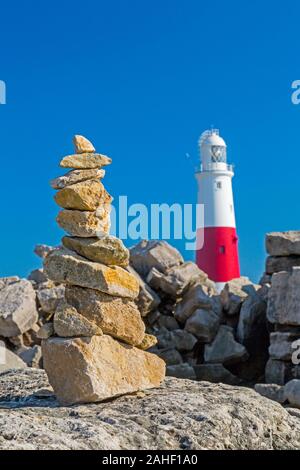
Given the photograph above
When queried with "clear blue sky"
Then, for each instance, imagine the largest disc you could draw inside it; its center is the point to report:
(142, 79)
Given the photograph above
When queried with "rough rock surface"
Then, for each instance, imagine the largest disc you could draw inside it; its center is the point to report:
(84, 223)
(18, 310)
(181, 414)
(157, 254)
(83, 145)
(275, 264)
(284, 298)
(68, 322)
(116, 316)
(76, 176)
(84, 196)
(85, 161)
(66, 266)
(224, 349)
(283, 243)
(92, 369)
(108, 250)
(9, 360)
(292, 392)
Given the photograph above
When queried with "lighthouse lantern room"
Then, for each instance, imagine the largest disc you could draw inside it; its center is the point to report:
(218, 253)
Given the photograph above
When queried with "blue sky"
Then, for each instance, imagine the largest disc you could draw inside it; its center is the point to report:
(143, 79)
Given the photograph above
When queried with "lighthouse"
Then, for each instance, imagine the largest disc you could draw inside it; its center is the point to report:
(217, 251)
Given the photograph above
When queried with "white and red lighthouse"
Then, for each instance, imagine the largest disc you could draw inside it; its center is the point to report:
(218, 253)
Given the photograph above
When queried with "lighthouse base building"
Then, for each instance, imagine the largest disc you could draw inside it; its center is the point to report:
(217, 250)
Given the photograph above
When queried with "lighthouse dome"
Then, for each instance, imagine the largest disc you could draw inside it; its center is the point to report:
(212, 147)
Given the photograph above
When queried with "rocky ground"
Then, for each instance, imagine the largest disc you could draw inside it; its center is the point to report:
(181, 414)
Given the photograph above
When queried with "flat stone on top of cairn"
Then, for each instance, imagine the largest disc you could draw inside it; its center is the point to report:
(97, 345)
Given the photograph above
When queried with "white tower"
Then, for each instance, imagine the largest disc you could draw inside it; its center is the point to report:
(219, 255)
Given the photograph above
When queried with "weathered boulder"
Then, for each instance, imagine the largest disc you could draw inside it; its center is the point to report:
(168, 322)
(148, 342)
(252, 318)
(292, 392)
(49, 297)
(284, 298)
(38, 276)
(5, 281)
(157, 254)
(32, 356)
(224, 349)
(197, 297)
(176, 279)
(281, 345)
(84, 196)
(272, 391)
(18, 310)
(69, 323)
(215, 373)
(235, 292)
(181, 371)
(147, 300)
(65, 266)
(9, 360)
(116, 316)
(76, 176)
(275, 264)
(83, 145)
(283, 243)
(85, 161)
(278, 372)
(203, 324)
(46, 331)
(85, 224)
(87, 370)
(181, 414)
(183, 340)
(170, 355)
(108, 250)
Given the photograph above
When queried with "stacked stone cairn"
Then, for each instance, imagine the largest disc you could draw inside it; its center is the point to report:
(283, 311)
(95, 347)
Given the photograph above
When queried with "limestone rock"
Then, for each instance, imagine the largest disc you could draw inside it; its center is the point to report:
(272, 391)
(181, 414)
(157, 254)
(84, 223)
(87, 370)
(275, 264)
(235, 292)
(108, 250)
(148, 342)
(37, 276)
(46, 331)
(85, 161)
(215, 373)
(83, 145)
(170, 355)
(9, 360)
(284, 298)
(281, 345)
(203, 324)
(166, 321)
(50, 297)
(183, 340)
(283, 243)
(5, 281)
(292, 392)
(84, 196)
(224, 349)
(68, 322)
(176, 279)
(76, 176)
(18, 310)
(32, 356)
(278, 372)
(182, 371)
(116, 316)
(197, 297)
(147, 300)
(65, 266)
(43, 250)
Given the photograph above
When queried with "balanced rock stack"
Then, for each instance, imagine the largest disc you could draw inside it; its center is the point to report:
(97, 347)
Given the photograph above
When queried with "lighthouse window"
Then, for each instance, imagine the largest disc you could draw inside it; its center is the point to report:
(222, 249)
(219, 184)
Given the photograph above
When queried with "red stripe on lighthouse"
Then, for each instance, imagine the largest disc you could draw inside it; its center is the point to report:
(218, 257)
